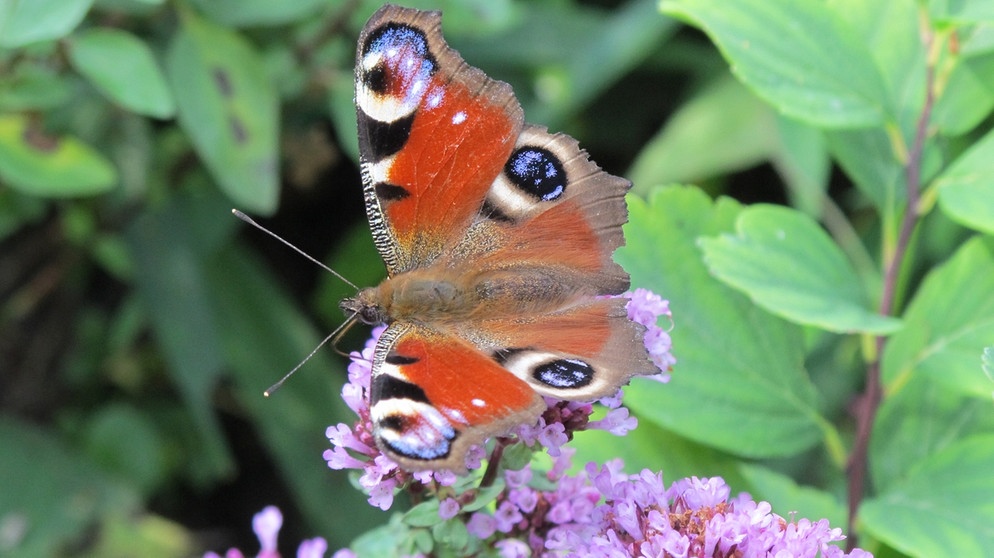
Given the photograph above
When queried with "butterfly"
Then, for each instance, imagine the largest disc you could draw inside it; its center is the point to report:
(497, 238)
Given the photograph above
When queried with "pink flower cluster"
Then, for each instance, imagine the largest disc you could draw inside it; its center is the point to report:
(602, 512)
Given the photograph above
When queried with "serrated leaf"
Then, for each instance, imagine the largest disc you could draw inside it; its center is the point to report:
(801, 57)
(739, 383)
(943, 508)
(723, 128)
(788, 265)
(123, 68)
(229, 108)
(948, 324)
(966, 188)
(51, 166)
(41, 20)
(918, 421)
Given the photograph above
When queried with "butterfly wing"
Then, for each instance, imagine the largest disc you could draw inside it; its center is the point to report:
(464, 198)
(435, 395)
(433, 134)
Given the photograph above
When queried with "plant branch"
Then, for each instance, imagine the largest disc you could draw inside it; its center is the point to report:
(869, 402)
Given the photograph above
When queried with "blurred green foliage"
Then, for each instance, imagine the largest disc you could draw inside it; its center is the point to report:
(139, 324)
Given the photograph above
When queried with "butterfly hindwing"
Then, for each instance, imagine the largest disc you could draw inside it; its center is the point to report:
(434, 395)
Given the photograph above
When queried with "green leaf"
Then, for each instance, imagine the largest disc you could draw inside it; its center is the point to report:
(40, 20)
(624, 38)
(485, 496)
(801, 57)
(801, 158)
(54, 493)
(888, 31)
(868, 159)
(453, 534)
(650, 446)
(788, 265)
(723, 128)
(33, 86)
(172, 283)
(918, 421)
(424, 514)
(988, 363)
(943, 508)
(948, 324)
(229, 108)
(961, 11)
(968, 97)
(744, 366)
(122, 67)
(385, 541)
(123, 441)
(966, 188)
(43, 165)
(243, 13)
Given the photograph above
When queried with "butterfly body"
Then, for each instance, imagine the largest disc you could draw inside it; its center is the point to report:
(498, 239)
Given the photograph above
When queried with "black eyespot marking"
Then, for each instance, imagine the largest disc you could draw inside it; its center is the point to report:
(564, 373)
(392, 422)
(376, 79)
(384, 138)
(390, 192)
(405, 56)
(536, 171)
(400, 360)
(386, 386)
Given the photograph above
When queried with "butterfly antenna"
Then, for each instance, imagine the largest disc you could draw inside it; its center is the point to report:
(250, 221)
(341, 331)
(334, 336)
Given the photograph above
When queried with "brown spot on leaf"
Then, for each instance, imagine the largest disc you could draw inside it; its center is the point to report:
(223, 82)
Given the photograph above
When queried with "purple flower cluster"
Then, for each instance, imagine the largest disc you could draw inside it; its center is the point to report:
(266, 525)
(354, 447)
(602, 512)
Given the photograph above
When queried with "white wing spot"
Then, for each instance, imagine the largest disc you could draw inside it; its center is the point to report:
(435, 98)
(459, 117)
(477, 402)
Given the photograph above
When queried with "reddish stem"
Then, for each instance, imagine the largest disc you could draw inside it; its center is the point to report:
(869, 402)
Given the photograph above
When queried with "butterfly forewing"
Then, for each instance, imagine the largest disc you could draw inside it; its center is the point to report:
(433, 134)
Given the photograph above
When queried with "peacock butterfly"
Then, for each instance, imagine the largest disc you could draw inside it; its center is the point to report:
(497, 238)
